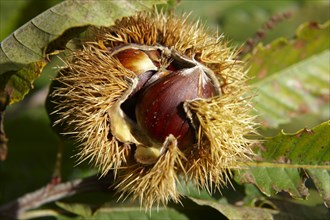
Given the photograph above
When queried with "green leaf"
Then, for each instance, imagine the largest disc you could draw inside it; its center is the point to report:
(284, 159)
(291, 77)
(321, 179)
(311, 39)
(126, 212)
(105, 205)
(16, 84)
(23, 53)
(306, 147)
(282, 210)
(238, 212)
(76, 208)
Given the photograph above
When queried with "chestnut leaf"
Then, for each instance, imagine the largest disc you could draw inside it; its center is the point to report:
(286, 160)
(295, 211)
(115, 210)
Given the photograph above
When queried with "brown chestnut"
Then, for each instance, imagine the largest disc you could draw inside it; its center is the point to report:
(159, 109)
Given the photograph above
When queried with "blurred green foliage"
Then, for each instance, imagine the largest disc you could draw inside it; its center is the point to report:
(240, 19)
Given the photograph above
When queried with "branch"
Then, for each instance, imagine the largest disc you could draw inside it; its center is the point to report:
(4, 101)
(52, 192)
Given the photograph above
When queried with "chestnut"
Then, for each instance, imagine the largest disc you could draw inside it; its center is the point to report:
(154, 98)
(159, 109)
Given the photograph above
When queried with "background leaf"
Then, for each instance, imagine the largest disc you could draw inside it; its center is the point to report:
(239, 20)
(311, 39)
(284, 210)
(103, 205)
(122, 211)
(292, 77)
(283, 155)
(235, 212)
(246, 202)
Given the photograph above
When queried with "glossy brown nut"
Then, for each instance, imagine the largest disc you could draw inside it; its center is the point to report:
(159, 109)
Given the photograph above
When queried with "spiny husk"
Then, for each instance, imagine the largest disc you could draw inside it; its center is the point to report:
(94, 81)
(224, 125)
(157, 183)
(90, 85)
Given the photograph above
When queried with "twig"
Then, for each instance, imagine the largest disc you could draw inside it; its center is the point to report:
(261, 33)
(50, 193)
(4, 101)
